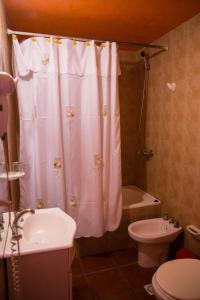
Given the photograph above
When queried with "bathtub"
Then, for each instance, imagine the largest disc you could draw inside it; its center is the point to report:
(137, 205)
(133, 197)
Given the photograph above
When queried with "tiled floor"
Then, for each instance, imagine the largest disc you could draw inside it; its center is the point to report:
(112, 276)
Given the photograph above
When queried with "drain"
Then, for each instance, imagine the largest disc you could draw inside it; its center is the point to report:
(149, 289)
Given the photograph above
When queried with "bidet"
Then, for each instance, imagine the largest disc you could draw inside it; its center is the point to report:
(154, 237)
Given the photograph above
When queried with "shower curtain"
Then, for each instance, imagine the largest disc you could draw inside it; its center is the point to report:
(70, 129)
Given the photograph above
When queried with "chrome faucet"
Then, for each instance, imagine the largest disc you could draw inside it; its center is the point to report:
(172, 220)
(176, 224)
(15, 226)
(166, 217)
(147, 153)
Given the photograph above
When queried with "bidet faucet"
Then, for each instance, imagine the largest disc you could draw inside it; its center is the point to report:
(165, 217)
(172, 220)
(16, 219)
(176, 224)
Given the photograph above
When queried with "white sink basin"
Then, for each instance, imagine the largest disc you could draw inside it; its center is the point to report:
(46, 230)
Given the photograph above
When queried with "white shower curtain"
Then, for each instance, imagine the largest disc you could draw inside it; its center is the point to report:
(70, 129)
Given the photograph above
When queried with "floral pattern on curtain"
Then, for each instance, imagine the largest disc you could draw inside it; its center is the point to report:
(70, 129)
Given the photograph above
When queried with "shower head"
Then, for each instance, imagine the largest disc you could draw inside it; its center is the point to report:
(145, 57)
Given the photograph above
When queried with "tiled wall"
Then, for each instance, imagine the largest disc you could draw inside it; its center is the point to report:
(13, 125)
(132, 141)
(173, 126)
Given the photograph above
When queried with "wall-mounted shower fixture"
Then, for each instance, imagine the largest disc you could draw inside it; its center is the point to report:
(145, 57)
(147, 153)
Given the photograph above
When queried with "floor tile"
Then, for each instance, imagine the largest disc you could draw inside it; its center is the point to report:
(110, 276)
(139, 295)
(125, 296)
(80, 290)
(97, 262)
(143, 295)
(108, 283)
(125, 256)
(136, 275)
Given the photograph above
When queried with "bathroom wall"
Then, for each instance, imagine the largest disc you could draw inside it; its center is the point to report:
(12, 138)
(3, 41)
(130, 97)
(173, 126)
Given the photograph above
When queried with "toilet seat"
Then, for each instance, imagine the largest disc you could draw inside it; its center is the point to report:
(159, 292)
(179, 279)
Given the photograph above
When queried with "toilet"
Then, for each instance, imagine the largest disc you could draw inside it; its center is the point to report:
(177, 279)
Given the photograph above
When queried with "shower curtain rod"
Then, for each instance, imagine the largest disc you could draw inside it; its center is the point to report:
(145, 45)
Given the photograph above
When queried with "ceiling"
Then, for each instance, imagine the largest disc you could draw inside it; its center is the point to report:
(121, 20)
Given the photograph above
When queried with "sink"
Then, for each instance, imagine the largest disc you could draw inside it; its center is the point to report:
(47, 230)
(44, 228)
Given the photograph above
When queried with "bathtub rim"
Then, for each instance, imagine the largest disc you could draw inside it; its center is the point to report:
(147, 199)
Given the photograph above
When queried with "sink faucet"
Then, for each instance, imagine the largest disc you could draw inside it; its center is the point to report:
(15, 226)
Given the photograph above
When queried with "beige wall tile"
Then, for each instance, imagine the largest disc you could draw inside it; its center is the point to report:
(130, 94)
(173, 126)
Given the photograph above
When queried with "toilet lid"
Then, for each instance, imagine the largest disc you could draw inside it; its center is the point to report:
(180, 278)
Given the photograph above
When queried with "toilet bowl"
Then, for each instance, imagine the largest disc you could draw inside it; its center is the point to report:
(153, 237)
(177, 280)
